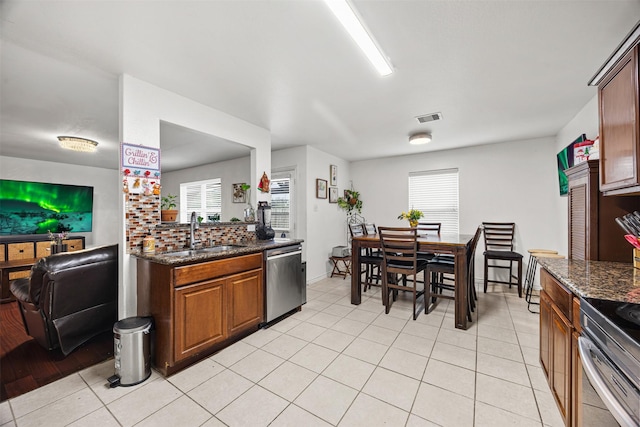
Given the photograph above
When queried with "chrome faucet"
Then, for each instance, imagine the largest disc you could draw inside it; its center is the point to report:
(193, 226)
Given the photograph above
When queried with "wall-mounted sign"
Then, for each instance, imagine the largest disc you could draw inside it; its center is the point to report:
(140, 157)
(140, 169)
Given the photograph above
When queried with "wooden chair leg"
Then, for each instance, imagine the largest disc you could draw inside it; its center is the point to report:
(520, 278)
(486, 274)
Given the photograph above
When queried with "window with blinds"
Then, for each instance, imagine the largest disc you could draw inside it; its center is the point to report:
(202, 197)
(281, 204)
(435, 193)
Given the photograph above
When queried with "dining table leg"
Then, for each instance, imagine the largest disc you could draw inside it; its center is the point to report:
(356, 268)
(461, 287)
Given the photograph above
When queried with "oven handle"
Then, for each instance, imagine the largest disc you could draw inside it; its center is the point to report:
(586, 348)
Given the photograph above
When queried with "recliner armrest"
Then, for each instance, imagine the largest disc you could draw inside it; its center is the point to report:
(20, 289)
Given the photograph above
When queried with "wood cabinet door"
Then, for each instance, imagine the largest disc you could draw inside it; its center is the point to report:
(73, 244)
(199, 317)
(561, 331)
(545, 334)
(578, 230)
(245, 301)
(20, 251)
(619, 121)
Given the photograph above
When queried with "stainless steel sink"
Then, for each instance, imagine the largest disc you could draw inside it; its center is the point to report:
(213, 249)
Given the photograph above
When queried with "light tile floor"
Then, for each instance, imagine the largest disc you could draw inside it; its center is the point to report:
(333, 363)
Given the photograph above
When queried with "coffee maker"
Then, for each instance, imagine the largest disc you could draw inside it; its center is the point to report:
(264, 230)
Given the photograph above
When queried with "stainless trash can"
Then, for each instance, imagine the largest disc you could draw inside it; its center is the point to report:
(131, 351)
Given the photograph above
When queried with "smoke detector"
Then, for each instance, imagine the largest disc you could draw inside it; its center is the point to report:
(429, 117)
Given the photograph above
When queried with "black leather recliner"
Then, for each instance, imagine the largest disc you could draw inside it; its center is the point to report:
(70, 297)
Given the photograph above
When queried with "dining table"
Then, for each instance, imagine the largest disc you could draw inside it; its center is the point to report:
(445, 243)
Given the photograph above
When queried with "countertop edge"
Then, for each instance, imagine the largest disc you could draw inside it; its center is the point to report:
(614, 281)
(242, 248)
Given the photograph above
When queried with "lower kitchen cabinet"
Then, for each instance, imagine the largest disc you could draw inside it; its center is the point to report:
(200, 308)
(559, 330)
(199, 320)
(245, 301)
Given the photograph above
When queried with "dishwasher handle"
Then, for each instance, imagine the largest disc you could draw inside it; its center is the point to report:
(283, 255)
(285, 251)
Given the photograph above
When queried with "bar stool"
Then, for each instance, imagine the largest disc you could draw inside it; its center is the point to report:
(534, 254)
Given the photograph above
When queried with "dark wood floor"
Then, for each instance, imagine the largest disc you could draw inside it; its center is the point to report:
(25, 365)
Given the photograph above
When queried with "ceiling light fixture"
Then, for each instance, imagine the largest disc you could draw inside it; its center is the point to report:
(420, 138)
(77, 144)
(346, 14)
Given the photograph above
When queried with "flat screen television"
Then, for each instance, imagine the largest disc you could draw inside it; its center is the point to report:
(38, 207)
(565, 161)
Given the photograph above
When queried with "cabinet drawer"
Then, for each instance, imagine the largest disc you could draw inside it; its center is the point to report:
(209, 270)
(43, 249)
(20, 251)
(73, 244)
(560, 295)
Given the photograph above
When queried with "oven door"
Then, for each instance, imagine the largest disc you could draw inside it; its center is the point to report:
(607, 396)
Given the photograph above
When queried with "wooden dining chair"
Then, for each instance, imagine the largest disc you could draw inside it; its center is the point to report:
(400, 258)
(371, 261)
(428, 228)
(499, 245)
(438, 277)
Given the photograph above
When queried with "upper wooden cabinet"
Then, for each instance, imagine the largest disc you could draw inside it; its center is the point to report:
(619, 111)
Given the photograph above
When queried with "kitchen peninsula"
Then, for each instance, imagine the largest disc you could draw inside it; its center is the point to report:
(568, 287)
(202, 300)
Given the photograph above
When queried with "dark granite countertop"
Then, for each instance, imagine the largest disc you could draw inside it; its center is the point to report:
(236, 250)
(614, 281)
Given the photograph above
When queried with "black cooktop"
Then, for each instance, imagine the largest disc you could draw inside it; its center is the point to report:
(626, 316)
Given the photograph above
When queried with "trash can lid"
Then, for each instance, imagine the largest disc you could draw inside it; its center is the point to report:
(132, 324)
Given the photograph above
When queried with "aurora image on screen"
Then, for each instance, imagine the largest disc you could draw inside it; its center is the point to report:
(37, 207)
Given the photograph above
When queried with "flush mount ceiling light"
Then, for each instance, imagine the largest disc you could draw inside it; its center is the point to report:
(77, 144)
(420, 138)
(347, 16)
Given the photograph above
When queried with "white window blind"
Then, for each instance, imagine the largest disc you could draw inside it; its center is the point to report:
(202, 197)
(281, 204)
(435, 193)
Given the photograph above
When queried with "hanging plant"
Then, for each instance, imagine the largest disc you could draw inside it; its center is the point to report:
(351, 201)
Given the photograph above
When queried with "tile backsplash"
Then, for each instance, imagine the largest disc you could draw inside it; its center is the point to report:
(143, 217)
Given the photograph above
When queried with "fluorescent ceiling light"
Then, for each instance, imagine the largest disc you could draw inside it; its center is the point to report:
(420, 138)
(347, 17)
(77, 144)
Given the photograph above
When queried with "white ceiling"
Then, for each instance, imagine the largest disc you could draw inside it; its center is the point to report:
(497, 70)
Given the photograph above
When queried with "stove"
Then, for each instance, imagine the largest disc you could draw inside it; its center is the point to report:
(610, 353)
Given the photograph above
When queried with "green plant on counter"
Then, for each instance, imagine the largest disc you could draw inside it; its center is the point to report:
(234, 219)
(200, 219)
(168, 202)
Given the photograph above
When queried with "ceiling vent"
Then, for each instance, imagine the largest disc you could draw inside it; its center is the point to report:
(429, 117)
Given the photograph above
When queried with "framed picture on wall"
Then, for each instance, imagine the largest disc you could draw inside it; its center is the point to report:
(333, 175)
(239, 195)
(321, 188)
(333, 194)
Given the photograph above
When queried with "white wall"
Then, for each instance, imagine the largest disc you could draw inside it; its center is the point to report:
(326, 223)
(586, 121)
(230, 172)
(506, 182)
(142, 107)
(105, 191)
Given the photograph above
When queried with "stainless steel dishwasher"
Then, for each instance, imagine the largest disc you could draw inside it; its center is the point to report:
(284, 280)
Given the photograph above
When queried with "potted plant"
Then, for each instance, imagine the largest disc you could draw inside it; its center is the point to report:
(350, 202)
(413, 216)
(168, 211)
